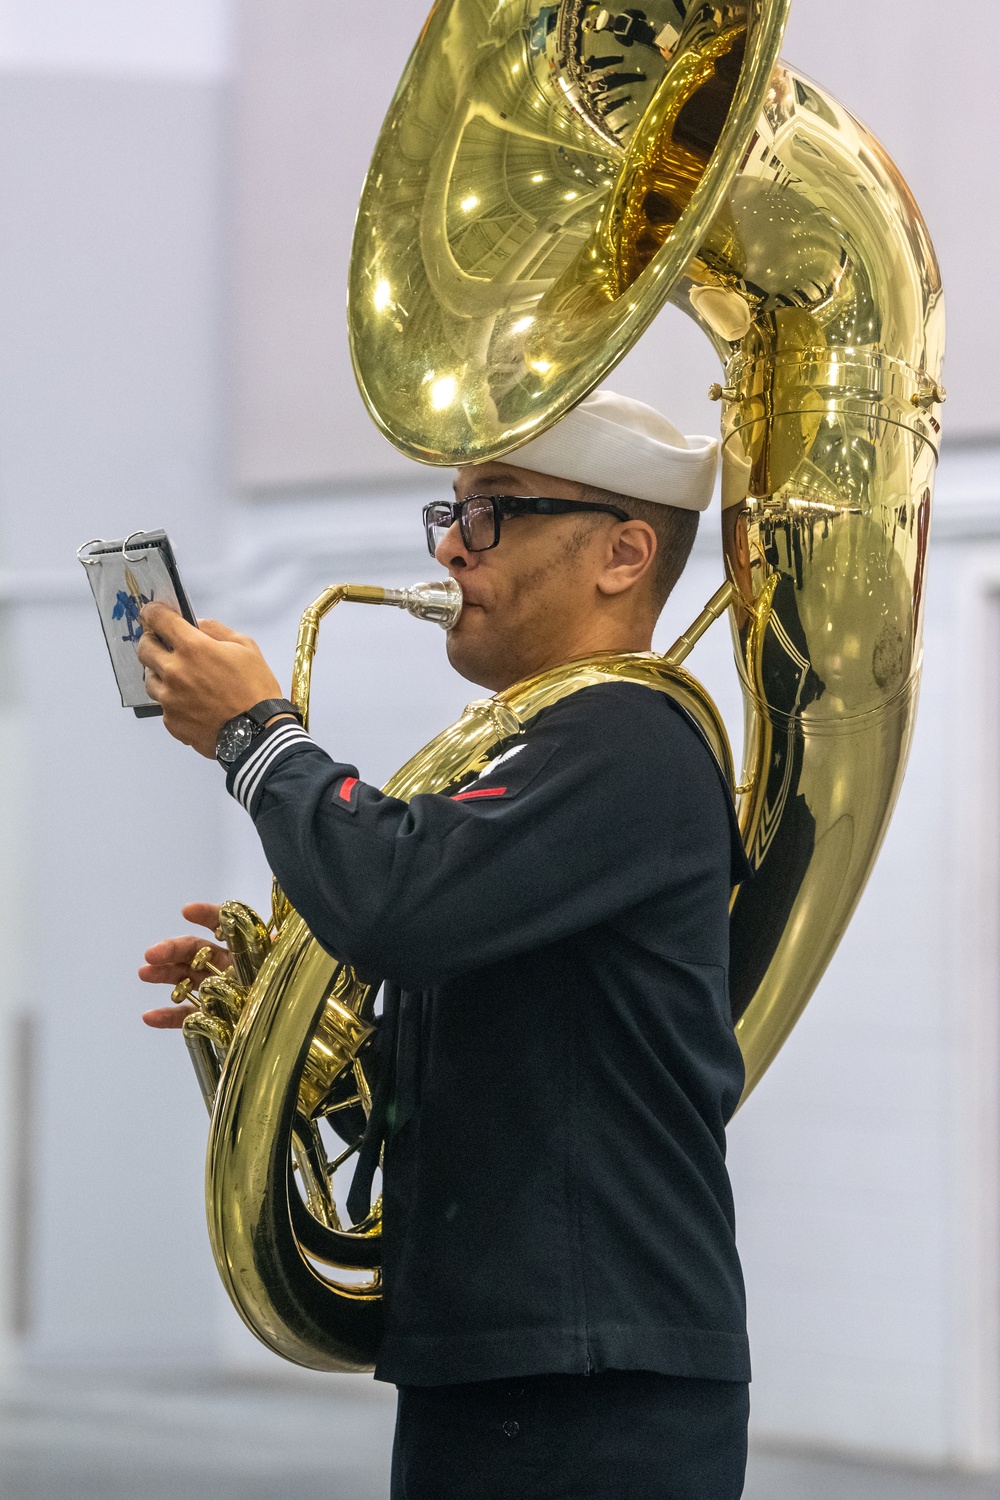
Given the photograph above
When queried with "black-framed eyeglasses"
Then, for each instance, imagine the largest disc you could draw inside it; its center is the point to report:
(479, 517)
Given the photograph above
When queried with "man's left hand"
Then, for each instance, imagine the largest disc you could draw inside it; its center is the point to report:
(200, 677)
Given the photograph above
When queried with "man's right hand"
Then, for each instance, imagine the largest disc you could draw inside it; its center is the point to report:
(170, 961)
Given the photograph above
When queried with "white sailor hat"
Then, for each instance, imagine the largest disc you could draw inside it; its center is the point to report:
(622, 445)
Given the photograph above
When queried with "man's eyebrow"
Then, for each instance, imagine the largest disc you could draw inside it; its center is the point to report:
(507, 482)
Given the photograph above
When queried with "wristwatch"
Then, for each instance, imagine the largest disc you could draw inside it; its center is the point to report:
(238, 734)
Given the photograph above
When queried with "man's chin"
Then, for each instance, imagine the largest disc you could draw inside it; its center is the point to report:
(472, 658)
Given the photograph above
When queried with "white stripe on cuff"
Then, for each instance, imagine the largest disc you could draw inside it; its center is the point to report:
(252, 772)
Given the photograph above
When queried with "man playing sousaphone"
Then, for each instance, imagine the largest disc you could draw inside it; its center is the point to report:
(564, 1308)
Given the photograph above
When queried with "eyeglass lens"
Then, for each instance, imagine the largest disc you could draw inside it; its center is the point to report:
(477, 520)
(437, 521)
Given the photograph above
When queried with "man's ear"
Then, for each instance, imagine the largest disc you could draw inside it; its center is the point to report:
(631, 554)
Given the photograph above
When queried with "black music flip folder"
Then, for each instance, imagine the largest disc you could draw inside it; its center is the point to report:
(123, 577)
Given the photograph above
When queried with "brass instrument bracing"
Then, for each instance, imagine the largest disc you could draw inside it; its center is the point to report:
(549, 175)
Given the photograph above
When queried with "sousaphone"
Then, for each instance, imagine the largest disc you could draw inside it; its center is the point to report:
(547, 178)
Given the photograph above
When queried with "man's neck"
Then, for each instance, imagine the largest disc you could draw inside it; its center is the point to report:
(581, 647)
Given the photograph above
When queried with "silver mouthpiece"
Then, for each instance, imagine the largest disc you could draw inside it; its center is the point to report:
(439, 602)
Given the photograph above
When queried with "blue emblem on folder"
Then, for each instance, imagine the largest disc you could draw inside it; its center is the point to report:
(130, 602)
(127, 609)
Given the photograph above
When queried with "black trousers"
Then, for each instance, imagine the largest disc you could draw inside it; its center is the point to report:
(619, 1435)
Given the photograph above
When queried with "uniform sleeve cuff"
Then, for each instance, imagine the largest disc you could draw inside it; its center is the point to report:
(245, 777)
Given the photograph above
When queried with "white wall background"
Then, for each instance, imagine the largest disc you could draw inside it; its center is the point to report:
(186, 38)
(110, 408)
(133, 185)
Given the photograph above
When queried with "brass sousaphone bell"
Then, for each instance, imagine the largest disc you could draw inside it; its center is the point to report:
(548, 176)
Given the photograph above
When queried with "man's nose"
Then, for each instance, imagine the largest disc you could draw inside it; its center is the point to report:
(451, 551)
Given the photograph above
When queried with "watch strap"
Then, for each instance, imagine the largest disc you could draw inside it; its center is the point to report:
(268, 708)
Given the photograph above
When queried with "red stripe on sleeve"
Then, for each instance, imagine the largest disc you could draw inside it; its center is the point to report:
(486, 791)
(346, 788)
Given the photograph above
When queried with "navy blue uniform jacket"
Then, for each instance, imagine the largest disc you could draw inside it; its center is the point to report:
(556, 940)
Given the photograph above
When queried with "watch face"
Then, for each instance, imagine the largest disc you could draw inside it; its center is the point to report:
(235, 736)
